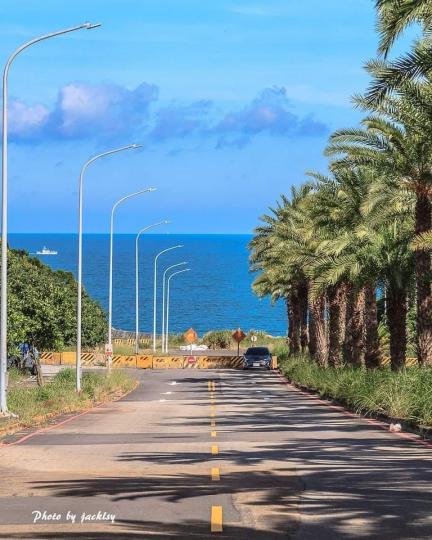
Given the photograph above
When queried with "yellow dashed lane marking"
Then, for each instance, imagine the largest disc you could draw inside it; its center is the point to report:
(215, 473)
(216, 519)
(210, 386)
(213, 423)
(214, 449)
(212, 414)
(213, 433)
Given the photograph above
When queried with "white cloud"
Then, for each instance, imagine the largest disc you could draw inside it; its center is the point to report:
(26, 119)
(85, 111)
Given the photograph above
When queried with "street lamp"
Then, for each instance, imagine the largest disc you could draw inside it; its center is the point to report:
(155, 290)
(163, 301)
(4, 257)
(137, 280)
(125, 198)
(168, 306)
(80, 227)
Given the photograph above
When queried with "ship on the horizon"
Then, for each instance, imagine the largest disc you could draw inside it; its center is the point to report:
(46, 251)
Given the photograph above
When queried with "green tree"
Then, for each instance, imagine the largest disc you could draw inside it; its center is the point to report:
(42, 306)
(396, 142)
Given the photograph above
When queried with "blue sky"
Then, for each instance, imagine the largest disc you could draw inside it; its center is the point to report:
(232, 101)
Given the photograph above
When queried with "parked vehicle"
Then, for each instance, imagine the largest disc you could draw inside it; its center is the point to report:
(257, 357)
(26, 360)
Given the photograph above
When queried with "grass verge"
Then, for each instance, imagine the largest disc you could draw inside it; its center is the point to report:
(36, 404)
(405, 396)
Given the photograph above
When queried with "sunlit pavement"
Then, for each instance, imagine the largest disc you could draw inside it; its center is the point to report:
(195, 451)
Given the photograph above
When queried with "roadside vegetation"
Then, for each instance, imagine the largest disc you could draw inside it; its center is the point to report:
(42, 307)
(214, 339)
(34, 405)
(349, 251)
(404, 396)
(222, 339)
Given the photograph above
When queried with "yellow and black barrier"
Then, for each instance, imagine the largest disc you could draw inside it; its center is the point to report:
(146, 361)
(131, 341)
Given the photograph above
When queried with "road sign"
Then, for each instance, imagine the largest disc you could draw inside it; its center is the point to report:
(238, 336)
(191, 359)
(253, 339)
(108, 349)
(190, 336)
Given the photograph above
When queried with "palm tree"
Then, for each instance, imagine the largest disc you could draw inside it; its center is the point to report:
(394, 16)
(335, 209)
(397, 143)
(278, 278)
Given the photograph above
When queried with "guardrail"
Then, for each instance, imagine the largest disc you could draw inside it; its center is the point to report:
(147, 361)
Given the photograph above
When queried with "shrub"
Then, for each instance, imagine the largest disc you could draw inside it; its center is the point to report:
(218, 339)
(404, 395)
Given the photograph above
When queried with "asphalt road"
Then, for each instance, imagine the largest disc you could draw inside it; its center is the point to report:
(289, 467)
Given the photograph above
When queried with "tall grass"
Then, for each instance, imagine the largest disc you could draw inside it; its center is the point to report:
(405, 395)
(33, 405)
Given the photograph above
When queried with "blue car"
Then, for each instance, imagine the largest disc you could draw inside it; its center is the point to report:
(257, 357)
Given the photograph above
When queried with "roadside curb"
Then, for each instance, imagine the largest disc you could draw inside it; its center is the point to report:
(412, 437)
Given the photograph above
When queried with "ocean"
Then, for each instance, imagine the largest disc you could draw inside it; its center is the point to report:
(215, 294)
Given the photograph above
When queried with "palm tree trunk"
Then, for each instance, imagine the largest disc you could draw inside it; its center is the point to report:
(353, 345)
(317, 330)
(343, 301)
(303, 307)
(312, 332)
(290, 323)
(423, 283)
(294, 318)
(333, 296)
(397, 307)
(347, 345)
(372, 350)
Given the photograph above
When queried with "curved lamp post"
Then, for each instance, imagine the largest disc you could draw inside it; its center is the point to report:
(163, 300)
(110, 294)
(155, 290)
(168, 306)
(3, 295)
(137, 279)
(80, 227)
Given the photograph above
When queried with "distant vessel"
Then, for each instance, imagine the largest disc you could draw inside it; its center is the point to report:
(46, 251)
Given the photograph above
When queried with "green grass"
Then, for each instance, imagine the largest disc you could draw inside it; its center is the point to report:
(34, 404)
(17, 375)
(406, 395)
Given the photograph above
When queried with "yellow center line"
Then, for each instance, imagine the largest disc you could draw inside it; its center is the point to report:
(214, 449)
(215, 474)
(213, 423)
(212, 414)
(213, 433)
(210, 386)
(216, 519)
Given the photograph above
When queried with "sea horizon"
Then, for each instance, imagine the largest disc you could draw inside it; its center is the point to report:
(215, 294)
